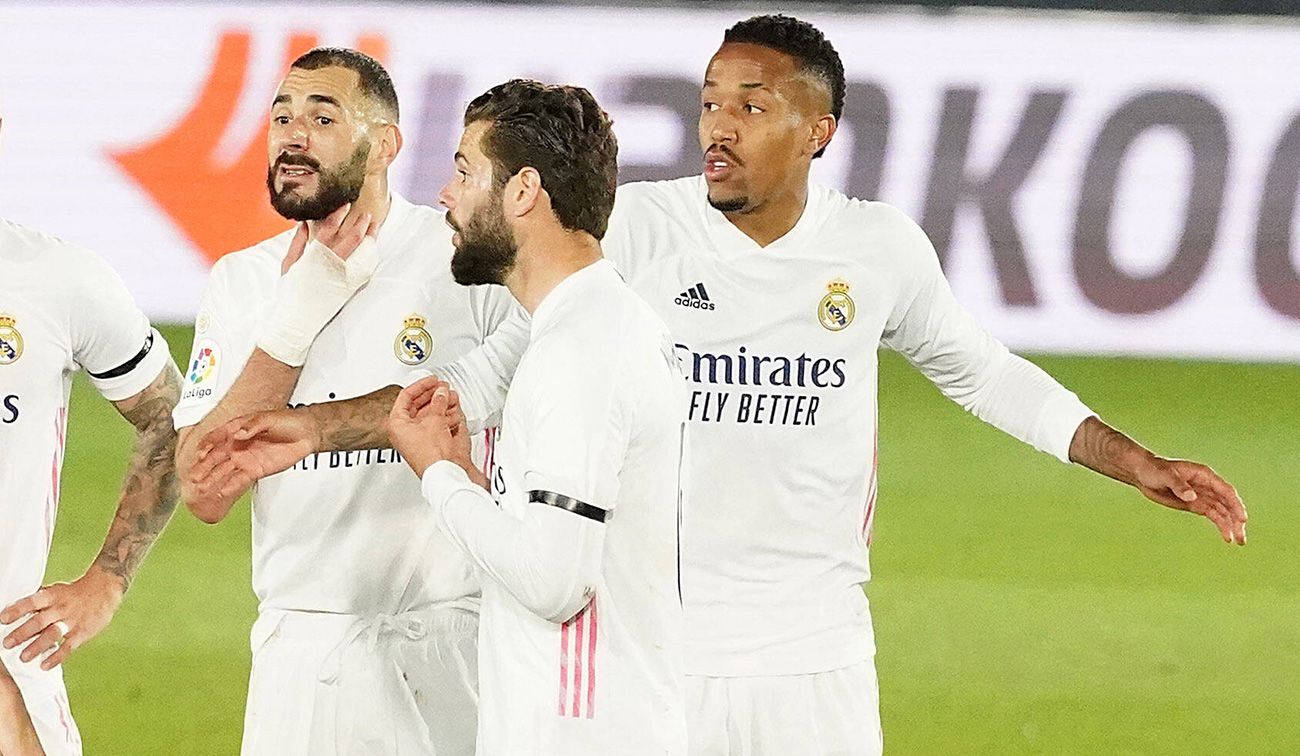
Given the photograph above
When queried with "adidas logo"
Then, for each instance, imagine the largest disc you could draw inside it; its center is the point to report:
(695, 297)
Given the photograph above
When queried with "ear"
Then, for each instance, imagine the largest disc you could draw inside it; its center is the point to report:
(524, 192)
(388, 144)
(823, 130)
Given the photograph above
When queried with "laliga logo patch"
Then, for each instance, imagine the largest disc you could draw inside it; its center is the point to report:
(414, 344)
(203, 370)
(836, 309)
(11, 341)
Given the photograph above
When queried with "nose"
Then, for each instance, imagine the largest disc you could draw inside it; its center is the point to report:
(722, 127)
(445, 197)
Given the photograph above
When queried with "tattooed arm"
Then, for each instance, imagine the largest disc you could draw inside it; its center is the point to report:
(69, 614)
(1174, 483)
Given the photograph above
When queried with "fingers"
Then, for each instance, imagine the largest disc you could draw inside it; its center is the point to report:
(33, 603)
(70, 643)
(251, 426)
(48, 638)
(29, 629)
(296, 247)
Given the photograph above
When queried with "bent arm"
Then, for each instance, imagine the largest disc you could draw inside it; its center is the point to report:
(549, 561)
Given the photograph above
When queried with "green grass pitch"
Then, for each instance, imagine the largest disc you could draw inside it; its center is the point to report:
(1021, 605)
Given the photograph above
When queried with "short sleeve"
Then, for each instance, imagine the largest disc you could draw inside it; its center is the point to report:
(111, 338)
(210, 371)
(579, 428)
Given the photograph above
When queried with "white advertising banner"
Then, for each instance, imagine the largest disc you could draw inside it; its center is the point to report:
(1094, 183)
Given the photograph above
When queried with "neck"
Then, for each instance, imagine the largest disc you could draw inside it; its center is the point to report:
(374, 198)
(775, 216)
(547, 257)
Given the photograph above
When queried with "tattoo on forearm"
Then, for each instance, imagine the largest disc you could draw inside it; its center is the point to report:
(151, 489)
(1103, 449)
(357, 423)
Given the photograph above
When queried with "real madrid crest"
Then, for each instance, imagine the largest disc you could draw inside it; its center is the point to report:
(11, 341)
(414, 344)
(836, 309)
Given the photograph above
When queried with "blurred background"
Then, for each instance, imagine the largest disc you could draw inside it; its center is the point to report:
(1111, 186)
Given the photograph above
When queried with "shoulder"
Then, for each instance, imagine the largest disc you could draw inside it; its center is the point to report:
(260, 261)
(876, 228)
(20, 244)
(664, 195)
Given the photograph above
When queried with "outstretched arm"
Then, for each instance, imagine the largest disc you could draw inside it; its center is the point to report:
(1174, 483)
(69, 614)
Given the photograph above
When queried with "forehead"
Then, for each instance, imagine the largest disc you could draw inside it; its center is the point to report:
(471, 142)
(737, 63)
(337, 82)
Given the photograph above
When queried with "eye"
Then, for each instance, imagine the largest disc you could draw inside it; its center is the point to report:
(463, 176)
(324, 120)
(281, 119)
(710, 106)
(752, 108)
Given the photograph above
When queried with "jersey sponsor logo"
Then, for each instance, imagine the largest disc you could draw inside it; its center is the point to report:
(205, 365)
(232, 211)
(11, 341)
(743, 369)
(836, 310)
(9, 407)
(413, 344)
(695, 298)
(202, 322)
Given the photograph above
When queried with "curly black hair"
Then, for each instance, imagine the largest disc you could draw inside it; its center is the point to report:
(372, 77)
(801, 41)
(560, 131)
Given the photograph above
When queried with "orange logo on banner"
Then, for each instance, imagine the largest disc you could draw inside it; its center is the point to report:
(220, 207)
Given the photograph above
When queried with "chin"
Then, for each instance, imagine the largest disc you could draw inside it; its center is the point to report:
(732, 204)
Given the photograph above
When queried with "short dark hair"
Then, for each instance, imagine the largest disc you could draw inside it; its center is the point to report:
(373, 79)
(560, 131)
(801, 41)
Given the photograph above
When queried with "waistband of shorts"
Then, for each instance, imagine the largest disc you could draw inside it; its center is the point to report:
(327, 628)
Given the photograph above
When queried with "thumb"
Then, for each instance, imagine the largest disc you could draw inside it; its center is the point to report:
(1181, 488)
(296, 247)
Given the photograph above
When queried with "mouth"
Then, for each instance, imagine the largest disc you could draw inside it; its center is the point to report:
(718, 165)
(294, 172)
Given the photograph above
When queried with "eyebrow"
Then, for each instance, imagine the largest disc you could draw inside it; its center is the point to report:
(460, 156)
(747, 85)
(326, 99)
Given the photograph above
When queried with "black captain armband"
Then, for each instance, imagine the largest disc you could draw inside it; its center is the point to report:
(130, 364)
(568, 503)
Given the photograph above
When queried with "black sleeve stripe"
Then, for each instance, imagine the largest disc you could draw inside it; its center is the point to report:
(130, 364)
(568, 503)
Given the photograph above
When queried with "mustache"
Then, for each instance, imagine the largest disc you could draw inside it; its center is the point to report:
(292, 159)
(725, 150)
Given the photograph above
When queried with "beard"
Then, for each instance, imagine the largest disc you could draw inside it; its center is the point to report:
(334, 188)
(487, 248)
(733, 205)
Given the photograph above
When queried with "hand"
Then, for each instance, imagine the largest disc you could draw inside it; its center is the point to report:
(1193, 487)
(82, 607)
(426, 425)
(343, 230)
(235, 455)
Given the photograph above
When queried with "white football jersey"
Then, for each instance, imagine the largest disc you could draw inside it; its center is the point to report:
(780, 344)
(349, 532)
(61, 308)
(595, 413)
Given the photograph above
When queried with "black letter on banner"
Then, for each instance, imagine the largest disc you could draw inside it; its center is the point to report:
(866, 110)
(1201, 124)
(950, 183)
(440, 123)
(1275, 272)
(676, 95)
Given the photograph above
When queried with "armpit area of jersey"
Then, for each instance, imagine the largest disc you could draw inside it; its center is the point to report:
(568, 503)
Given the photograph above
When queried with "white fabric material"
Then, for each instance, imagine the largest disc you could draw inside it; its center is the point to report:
(70, 311)
(336, 685)
(482, 376)
(549, 561)
(349, 532)
(781, 594)
(835, 713)
(310, 294)
(46, 699)
(594, 413)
